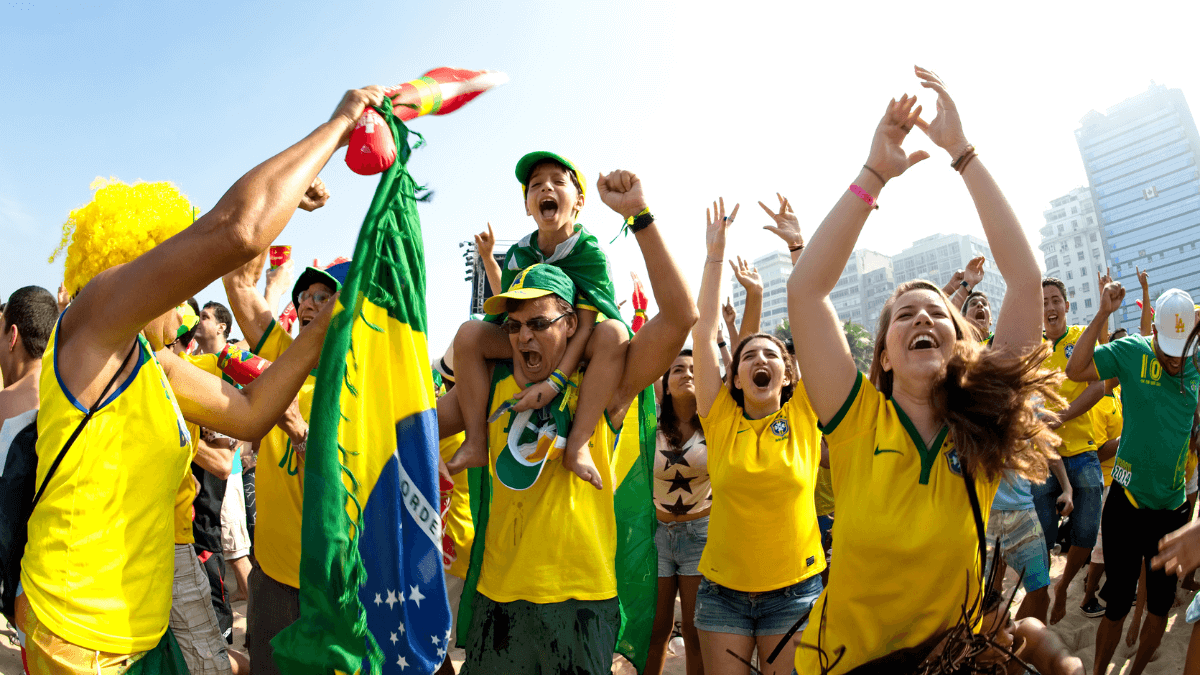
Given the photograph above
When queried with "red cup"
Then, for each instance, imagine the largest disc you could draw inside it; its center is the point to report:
(280, 255)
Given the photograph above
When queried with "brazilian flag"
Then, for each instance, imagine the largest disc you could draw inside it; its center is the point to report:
(372, 594)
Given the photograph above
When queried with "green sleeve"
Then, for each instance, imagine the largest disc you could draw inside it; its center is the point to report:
(1108, 357)
(588, 268)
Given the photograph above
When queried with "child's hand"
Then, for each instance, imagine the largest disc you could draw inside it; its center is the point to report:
(535, 397)
(485, 242)
(622, 192)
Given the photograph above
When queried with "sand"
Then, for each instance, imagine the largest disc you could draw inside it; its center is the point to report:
(1076, 630)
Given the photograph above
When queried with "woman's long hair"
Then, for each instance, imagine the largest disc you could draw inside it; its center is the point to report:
(991, 399)
(789, 367)
(668, 421)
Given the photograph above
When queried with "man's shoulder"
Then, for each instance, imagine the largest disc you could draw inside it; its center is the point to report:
(17, 400)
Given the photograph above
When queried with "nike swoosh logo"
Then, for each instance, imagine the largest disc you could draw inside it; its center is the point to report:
(880, 452)
(742, 431)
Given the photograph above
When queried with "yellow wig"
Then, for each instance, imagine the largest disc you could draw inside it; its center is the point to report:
(119, 224)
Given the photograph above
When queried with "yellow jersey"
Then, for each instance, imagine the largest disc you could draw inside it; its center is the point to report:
(279, 481)
(100, 559)
(556, 540)
(457, 522)
(1076, 434)
(907, 549)
(187, 487)
(762, 530)
(1107, 421)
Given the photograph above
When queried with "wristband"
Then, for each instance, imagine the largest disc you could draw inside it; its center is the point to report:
(864, 195)
(877, 174)
(557, 380)
(965, 284)
(720, 345)
(797, 247)
(636, 223)
(964, 159)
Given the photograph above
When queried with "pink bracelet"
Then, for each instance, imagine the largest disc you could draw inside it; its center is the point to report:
(864, 195)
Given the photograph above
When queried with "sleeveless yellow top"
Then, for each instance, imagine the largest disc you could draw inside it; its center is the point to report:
(99, 563)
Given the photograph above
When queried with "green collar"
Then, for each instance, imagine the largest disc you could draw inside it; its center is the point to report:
(1060, 338)
(928, 455)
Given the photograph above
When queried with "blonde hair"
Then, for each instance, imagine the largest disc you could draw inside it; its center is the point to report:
(119, 224)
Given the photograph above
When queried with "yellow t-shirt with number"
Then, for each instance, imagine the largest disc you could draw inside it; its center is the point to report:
(906, 550)
(556, 540)
(100, 560)
(762, 531)
(1076, 433)
(279, 481)
(187, 487)
(458, 523)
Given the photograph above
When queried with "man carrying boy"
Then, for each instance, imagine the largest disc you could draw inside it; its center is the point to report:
(554, 194)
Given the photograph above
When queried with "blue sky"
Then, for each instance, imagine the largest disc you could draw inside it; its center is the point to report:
(736, 99)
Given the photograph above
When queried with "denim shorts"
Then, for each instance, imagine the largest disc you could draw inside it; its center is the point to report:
(1022, 545)
(680, 546)
(724, 610)
(1087, 484)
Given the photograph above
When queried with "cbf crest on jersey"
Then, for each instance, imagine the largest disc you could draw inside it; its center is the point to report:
(780, 427)
(1068, 350)
(954, 462)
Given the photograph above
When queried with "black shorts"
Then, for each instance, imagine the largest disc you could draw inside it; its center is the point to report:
(523, 638)
(1130, 540)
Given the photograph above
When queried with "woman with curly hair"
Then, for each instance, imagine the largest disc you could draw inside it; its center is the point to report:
(98, 567)
(917, 448)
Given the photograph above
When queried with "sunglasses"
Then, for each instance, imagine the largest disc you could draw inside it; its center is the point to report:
(317, 297)
(536, 324)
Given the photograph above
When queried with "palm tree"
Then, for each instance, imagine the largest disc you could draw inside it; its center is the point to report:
(862, 346)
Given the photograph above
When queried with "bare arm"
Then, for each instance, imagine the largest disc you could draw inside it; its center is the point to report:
(252, 411)
(730, 316)
(1109, 449)
(215, 458)
(485, 243)
(1081, 367)
(250, 308)
(279, 284)
(1082, 403)
(652, 351)
(748, 277)
(1066, 500)
(707, 371)
(1046, 651)
(723, 347)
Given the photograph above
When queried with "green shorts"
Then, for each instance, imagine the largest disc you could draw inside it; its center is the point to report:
(518, 638)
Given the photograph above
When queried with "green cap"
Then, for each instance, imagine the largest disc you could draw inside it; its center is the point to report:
(526, 164)
(534, 281)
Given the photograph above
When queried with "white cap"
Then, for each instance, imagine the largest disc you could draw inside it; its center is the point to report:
(1174, 317)
(445, 365)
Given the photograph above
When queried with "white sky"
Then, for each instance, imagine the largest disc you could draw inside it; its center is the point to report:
(739, 100)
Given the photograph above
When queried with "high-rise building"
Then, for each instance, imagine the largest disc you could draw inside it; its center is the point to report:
(1140, 158)
(774, 269)
(936, 257)
(1073, 249)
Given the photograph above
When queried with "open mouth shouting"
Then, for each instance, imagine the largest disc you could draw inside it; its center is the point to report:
(532, 357)
(922, 341)
(761, 377)
(548, 208)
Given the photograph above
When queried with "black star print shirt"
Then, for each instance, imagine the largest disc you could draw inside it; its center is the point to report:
(681, 483)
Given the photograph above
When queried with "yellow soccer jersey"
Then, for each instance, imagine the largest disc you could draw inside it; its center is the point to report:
(907, 551)
(1076, 434)
(556, 540)
(1106, 425)
(187, 487)
(458, 522)
(762, 531)
(98, 567)
(279, 481)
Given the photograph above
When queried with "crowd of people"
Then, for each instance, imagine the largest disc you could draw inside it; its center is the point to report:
(811, 518)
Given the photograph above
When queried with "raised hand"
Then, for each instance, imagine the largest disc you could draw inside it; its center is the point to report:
(728, 312)
(946, 128)
(746, 275)
(354, 102)
(887, 158)
(1104, 279)
(64, 298)
(485, 242)
(1111, 297)
(787, 226)
(315, 196)
(718, 222)
(974, 272)
(622, 192)
(1143, 278)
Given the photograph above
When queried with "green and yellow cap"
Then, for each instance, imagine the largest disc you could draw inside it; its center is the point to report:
(525, 167)
(534, 281)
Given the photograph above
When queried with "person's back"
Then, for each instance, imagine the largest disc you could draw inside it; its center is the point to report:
(28, 319)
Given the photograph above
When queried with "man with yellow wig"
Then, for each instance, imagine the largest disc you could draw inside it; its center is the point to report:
(96, 574)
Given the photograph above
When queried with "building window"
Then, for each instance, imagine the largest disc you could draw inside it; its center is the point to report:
(1092, 237)
(1051, 262)
(1060, 228)
(1087, 302)
(1090, 221)
(1071, 291)
(1079, 240)
(1080, 255)
(1082, 272)
(1086, 287)
(1074, 210)
(1069, 274)
(1095, 253)
(1074, 224)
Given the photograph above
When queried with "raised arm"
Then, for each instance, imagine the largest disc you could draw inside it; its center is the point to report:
(652, 351)
(238, 228)
(707, 370)
(748, 277)
(970, 279)
(1147, 322)
(1081, 367)
(729, 314)
(786, 227)
(279, 285)
(250, 308)
(823, 355)
(485, 243)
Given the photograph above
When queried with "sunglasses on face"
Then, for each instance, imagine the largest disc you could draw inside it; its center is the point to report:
(536, 324)
(317, 297)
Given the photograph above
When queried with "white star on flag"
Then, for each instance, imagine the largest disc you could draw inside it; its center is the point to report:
(391, 599)
(378, 599)
(441, 653)
(401, 662)
(402, 629)
(416, 596)
(448, 632)
(435, 639)
(394, 639)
